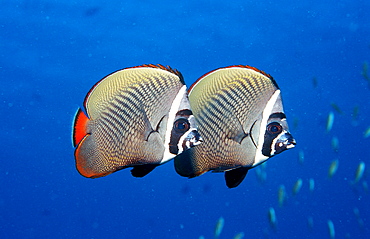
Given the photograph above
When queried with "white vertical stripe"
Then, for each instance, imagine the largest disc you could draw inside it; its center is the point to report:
(260, 158)
(171, 117)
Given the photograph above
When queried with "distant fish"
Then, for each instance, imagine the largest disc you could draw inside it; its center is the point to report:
(272, 217)
(365, 72)
(331, 229)
(310, 223)
(333, 168)
(365, 186)
(336, 108)
(261, 173)
(355, 113)
(359, 171)
(297, 186)
(240, 117)
(335, 144)
(330, 122)
(240, 235)
(314, 82)
(357, 215)
(295, 123)
(219, 226)
(137, 117)
(281, 195)
(311, 183)
(301, 157)
(367, 132)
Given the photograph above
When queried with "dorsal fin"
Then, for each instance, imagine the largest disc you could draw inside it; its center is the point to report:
(166, 68)
(240, 66)
(158, 66)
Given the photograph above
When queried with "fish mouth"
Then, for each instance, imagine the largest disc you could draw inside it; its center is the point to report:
(191, 139)
(284, 142)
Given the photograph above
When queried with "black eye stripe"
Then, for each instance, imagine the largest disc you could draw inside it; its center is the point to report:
(278, 115)
(184, 113)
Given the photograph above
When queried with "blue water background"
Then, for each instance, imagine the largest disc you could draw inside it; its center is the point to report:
(52, 52)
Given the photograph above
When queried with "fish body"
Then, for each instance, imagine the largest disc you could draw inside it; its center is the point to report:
(333, 168)
(367, 133)
(310, 223)
(330, 122)
(301, 156)
(297, 186)
(241, 119)
(272, 217)
(281, 195)
(311, 183)
(331, 229)
(359, 171)
(219, 226)
(335, 144)
(136, 117)
(240, 235)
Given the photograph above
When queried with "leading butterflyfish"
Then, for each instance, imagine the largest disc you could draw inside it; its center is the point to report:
(240, 117)
(137, 117)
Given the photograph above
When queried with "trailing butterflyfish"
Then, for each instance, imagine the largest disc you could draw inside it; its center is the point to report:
(240, 117)
(136, 117)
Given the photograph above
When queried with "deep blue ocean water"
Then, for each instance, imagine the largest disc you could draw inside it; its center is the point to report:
(53, 52)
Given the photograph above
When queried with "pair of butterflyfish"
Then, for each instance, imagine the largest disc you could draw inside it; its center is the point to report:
(230, 120)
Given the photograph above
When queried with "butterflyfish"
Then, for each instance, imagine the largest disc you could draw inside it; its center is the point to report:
(136, 117)
(240, 117)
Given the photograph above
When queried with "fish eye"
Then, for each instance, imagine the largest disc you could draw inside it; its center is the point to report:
(181, 125)
(274, 128)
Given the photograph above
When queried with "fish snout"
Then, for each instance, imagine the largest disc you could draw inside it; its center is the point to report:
(284, 142)
(191, 139)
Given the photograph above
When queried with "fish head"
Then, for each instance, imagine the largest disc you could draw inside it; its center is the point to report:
(184, 133)
(277, 133)
(270, 132)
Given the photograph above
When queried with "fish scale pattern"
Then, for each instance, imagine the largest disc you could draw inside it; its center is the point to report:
(225, 103)
(125, 109)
